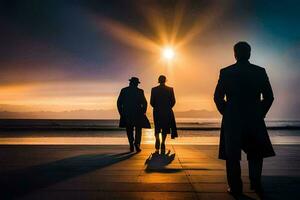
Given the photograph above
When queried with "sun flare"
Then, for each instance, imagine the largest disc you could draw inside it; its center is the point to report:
(168, 53)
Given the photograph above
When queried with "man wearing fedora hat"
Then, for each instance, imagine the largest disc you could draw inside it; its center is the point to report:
(132, 107)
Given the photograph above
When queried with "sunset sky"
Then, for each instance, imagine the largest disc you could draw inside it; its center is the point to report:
(77, 54)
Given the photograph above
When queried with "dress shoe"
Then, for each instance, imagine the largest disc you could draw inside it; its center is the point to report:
(131, 148)
(234, 192)
(257, 188)
(137, 148)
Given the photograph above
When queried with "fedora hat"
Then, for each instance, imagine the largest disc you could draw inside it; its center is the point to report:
(134, 79)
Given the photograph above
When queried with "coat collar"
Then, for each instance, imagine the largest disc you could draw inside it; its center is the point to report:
(242, 62)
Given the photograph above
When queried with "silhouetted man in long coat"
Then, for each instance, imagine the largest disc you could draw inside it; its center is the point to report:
(163, 100)
(132, 107)
(243, 96)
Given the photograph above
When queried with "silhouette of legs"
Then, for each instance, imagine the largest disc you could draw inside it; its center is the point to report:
(255, 169)
(233, 169)
(163, 140)
(129, 131)
(157, 142)
(134, 141)
(138, 136)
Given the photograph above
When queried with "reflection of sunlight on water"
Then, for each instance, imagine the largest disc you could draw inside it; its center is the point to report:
(147, 138)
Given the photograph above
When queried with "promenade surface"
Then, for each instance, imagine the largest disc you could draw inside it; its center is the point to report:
(110, 172)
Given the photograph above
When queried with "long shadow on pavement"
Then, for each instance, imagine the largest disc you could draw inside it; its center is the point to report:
(158, 162)
(19, 182)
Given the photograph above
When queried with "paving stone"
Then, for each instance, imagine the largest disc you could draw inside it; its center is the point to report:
(110, 172)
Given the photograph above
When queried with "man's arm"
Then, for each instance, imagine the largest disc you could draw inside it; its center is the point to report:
(267, 94)
(144, 103)
(152, 99)
(120, 103)
(219, 94)
(173, 100)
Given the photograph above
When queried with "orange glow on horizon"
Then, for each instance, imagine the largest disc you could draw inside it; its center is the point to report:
(43, 97)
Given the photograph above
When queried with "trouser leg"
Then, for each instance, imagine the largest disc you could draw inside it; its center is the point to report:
(255, 170)
(157, 141)
(233, 169)
(163, 138)
(129, 131)
(138, 136)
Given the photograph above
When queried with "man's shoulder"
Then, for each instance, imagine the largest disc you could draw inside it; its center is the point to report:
(228, 68)
(161, 88)
(140, 90)
(233, 67)
(130, 90)
(257, 68)
(155, 88)
(124, 89)
(169, 88)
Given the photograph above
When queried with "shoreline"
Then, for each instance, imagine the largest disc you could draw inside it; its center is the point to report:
(193, 124)
(102, 128)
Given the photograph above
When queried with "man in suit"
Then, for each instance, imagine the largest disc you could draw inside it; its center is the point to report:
(132, 107)
(162, 101)
(244, 96)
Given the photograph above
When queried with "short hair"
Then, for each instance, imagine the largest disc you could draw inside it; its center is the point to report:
(162, 79)
(242, 50)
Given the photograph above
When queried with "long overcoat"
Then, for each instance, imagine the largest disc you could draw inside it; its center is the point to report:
(243, 96)
(132, 107)
(163, 100)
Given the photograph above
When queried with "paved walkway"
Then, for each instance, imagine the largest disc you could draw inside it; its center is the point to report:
(109, 172)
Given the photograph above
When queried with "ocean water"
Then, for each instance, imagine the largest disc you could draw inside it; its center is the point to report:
(200, 123)
(93, 132)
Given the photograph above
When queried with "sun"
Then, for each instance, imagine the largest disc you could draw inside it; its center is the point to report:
(168, 53)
